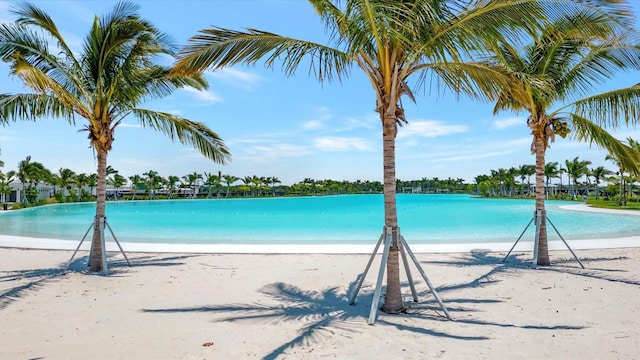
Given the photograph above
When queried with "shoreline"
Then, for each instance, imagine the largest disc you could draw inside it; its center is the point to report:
(7, 241)
(20, 242)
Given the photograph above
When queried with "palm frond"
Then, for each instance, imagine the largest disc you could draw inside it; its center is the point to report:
(587, 131)
(31, 107)
(30, 15)
(610, 108)
(217, 47)
(187, 132)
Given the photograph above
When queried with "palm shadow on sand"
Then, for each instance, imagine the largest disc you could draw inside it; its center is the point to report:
(595, 268)
(323, 312)
(31, 280)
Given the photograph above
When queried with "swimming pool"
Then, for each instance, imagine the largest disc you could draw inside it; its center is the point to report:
(343, 219)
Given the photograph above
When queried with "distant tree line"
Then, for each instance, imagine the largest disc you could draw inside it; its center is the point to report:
(68, 186)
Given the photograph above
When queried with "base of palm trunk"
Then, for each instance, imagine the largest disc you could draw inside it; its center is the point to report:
(538, 218)
(386, 239)
(101, 224)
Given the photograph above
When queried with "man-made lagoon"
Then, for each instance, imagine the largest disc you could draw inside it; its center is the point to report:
(343, 219)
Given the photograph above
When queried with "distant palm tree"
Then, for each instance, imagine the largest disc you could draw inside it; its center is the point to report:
(563, 63)
(210, 180)
(30, 173)
(135, 181)
(229, 180)
(117, 181)
(103, 83)
(67, 180)
(575, 169)
(81, 182)
(5, 185)
(598, 174)
(92, 182)
(192, 181)
(151, 181)
(172, 181)
(525, 171)
(551, 170)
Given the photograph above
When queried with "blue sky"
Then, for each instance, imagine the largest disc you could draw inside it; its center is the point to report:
(286, 127)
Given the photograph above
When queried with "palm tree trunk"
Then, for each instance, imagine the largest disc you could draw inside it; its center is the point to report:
(543, 247)
(393, 298)
(95, 257)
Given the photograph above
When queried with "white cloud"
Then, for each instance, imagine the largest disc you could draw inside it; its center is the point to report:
(207, 96)
(312, 124)
(429, 129)
(241, 79)
(268, 153)
(508, 122)
(336, 143)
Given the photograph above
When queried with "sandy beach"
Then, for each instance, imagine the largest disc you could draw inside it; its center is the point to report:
(294, 306)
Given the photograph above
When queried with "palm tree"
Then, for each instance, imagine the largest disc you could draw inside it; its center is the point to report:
(229, 180)
(564, 63)
(151, 182)
(172, 181)
(117, 181)
(103, 83)
(393, 43)
(81, 182)
(551, 170)
(29, 173)
(5, 186)
(598, 174)
(575, 169)
(92, 182)
(67, 180)
(211, 180)
(192, 181)
(135, 181)
(525, 171)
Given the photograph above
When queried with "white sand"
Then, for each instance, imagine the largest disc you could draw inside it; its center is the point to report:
(253, 306)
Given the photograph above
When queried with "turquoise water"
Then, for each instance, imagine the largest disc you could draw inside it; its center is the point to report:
(345, 219)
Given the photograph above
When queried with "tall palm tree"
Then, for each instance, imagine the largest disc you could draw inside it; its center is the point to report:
(102, 83)
(562, 65)
(395, 44)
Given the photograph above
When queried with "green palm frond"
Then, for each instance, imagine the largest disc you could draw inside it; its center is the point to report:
(30, 15)
(32, 107)
(219, 47)
(187, 132)
(585, 130)
(599, 62)
(611, 108)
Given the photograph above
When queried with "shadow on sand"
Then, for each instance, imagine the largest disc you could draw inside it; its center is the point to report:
(22, 282)
(323, 312)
